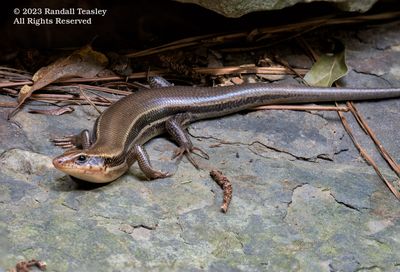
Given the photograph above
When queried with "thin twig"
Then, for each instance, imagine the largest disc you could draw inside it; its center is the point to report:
(9, 91)
(367, 157)
(248, 69)
(13, 84)
(385, 154)
(104, 89)
(219, 38)
(88, 99)
(100, 96)
(80, 101)
(57, 111)
(310, 52)
(285, 64)
(92, 79)
(124, 84)
(8, 104)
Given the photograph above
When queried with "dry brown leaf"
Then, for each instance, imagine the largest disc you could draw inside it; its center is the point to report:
(84, 63)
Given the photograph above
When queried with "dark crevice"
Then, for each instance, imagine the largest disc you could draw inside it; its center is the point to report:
(324, 157)
(373, 75)
(347, 205)
(144, 226)
(69, 207)
(288, 204)
(372, 267)
(340, 151)
(300, 158)
(314, 159)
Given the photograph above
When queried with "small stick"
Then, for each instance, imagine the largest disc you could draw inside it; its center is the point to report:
(69, 101)
(385, 154)
(104, 89)
(248, 69)
(57, 111)
(68, 98)
(12, 84)
(8, 104)
(201, 70)
(102, 98)
(88, 100)
(225, 185)
(367, 157)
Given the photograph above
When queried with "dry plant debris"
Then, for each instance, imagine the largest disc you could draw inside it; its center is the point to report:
(25, 266)
(225, 185)
(84, 62)
(385, 154)
(57, 111)
(366, 156)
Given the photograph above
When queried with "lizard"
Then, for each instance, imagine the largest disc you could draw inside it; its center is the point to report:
(120, 132)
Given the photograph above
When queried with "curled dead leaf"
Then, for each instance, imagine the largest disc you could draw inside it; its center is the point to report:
(84, 62)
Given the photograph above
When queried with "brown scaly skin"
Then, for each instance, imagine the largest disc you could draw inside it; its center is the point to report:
(120, 131)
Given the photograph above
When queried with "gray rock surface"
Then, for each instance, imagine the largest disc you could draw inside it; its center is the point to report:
(237, 8)
(303, 199)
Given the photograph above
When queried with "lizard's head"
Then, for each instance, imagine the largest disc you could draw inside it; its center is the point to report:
(88, 167)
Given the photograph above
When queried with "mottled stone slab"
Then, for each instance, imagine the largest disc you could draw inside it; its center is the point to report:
(303, 199)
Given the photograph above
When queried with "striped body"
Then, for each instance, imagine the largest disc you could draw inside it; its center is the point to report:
(141, 116)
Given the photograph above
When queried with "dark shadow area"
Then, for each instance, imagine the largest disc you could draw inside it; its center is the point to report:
(68, 184)
(137, 24)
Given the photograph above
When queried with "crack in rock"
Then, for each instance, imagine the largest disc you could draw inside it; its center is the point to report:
(145, 226)
(69, 207)
(340, 151)
(300, 158)
(313, 159)
(239, 238)
(317, 195)
(130, 228)
(181, 233)
(288, 204)
(347, 205)
(372, 267)
(373, 75)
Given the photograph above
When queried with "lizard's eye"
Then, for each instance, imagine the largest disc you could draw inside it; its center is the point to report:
(81, 158)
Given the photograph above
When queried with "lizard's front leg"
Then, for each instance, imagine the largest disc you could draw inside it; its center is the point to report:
(139, 154)
(82, 140)
(175, 127)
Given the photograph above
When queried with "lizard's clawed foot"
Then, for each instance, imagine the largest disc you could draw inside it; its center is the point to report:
(180, 151)
(157, 175)
(82, 140)
(64, 142)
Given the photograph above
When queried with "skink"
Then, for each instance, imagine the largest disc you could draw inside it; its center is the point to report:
(121, 130)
